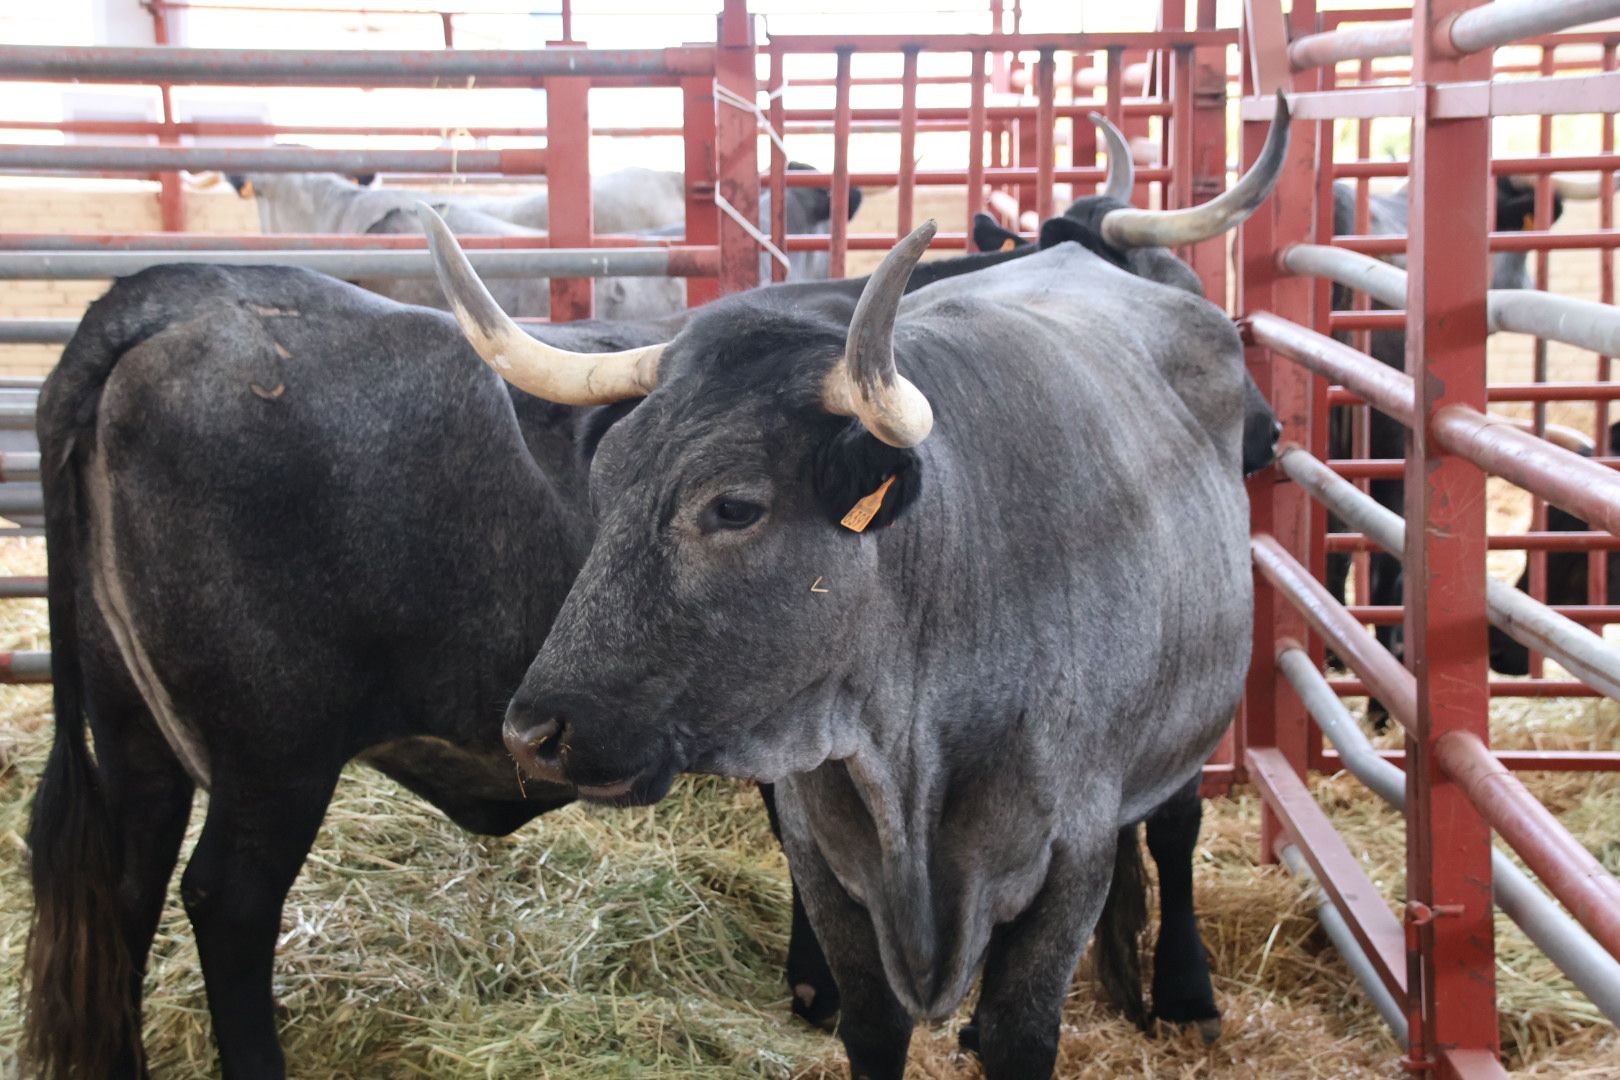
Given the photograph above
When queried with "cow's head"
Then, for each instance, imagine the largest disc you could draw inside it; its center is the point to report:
(807, 210)
(743, 579)
(297, 202)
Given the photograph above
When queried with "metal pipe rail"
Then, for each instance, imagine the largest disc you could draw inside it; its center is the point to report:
(1380, 280)
(529, 161)
(1581, 323)
(200, 241)
(1382, 674)
(37, 331)
(22, 588)
(495, 263)
(1526, 620)
(1529, 240)
(1588, 890)
(1355, 958)
(1572, 482)
(19, 465)
(1571, 949)
(25, 666)
(438, 68)
(1582, 886)
(1486, 27)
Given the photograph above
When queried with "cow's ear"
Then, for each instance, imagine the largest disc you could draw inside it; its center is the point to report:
(990, 236)
(239, 182)
(363, 179)
(855, 197)
(597, 423)
(852, 465)
(1515, 206)
(1061, 229)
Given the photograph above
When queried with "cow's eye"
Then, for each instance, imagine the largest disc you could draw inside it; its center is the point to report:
(731, 514)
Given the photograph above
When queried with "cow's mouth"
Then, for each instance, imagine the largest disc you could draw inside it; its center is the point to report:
(544, 751)
(640, 789)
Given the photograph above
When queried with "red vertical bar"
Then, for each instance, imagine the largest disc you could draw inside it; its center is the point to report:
(568, 173)
(1209, 259)
(736, 146)
(1543, 220)
(1082, 135)
(567, 12)
(840, 180)
(975, 169)
(1114, 106)
(1448, 844)
(1182, 118)
(1597, 578)
(1361, 440)
(778, 163)
(1321, 305)
(702, 219)
(1274, 716)
(448, 25)
(908, 140)
(1045, 132)
(171, 196)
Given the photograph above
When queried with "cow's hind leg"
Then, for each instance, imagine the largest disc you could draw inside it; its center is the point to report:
(259, 829)
(815, 994)
(1182, 992)
(149, 796)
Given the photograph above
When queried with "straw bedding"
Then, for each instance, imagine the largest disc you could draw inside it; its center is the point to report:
(604, 944)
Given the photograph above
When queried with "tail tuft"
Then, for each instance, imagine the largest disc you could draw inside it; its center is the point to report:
(1119, 931)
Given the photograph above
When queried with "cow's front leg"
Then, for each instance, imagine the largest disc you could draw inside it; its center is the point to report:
(815, 992)
(1031, 960)
(874, 1026)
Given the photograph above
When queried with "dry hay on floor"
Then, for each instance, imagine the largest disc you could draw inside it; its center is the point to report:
(596, 945)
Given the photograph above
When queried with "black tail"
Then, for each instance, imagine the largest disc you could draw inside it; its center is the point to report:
(1119, 931)
(82, 1011)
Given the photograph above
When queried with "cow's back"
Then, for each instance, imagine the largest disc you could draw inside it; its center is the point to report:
(1103, 454)
(294, 485)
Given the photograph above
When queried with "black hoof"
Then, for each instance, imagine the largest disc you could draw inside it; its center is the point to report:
(818, 1008)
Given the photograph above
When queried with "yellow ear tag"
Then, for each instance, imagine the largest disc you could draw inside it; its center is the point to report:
(247, 189)
(862, 513)
(1008, 244)
(1529, 223)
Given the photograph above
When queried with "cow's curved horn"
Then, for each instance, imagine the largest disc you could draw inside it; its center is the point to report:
(1129, 227)
(1121, 166)
(1580, 186)
(568, 378)
(864, 383)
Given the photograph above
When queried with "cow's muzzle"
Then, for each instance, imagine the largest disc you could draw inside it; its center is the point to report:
(542, 752)
(536, 749)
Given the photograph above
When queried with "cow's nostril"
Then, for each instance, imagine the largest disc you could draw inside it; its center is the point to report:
(537, 748)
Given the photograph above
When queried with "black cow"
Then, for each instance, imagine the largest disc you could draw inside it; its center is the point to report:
(1515, 207)
(290, 523)
(1566, 581)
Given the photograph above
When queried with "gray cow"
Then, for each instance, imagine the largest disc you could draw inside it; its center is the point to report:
(970, 662)
(330, 203)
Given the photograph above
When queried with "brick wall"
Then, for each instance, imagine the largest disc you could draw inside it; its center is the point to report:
(91, 207)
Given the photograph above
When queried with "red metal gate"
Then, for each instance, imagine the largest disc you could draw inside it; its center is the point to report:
(1435, 968)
